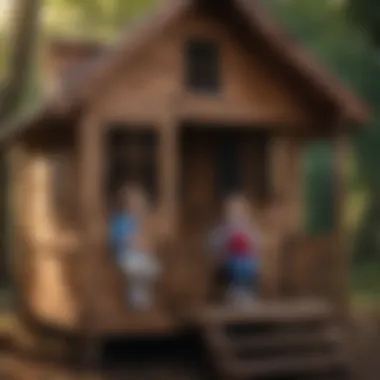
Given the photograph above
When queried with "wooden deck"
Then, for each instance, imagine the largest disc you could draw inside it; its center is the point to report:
(136, 323)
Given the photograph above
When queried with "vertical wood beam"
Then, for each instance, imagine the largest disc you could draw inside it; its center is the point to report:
(341, 267)
(278, 176)
(20, 260)
(167, 224)
(92, 227)
(286, 178)
(296, 187)
(168, 169)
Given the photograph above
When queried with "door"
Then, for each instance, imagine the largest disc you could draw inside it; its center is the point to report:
(132, 160)
(216, 162)
(198, 210)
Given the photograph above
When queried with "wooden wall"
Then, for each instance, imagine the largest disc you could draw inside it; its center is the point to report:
(283, 216)
(142, 88)
(104, 307)
(44, 272)
(60, 58)
(309, 267)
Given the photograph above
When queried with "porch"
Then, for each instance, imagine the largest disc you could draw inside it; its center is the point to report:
(185, 169)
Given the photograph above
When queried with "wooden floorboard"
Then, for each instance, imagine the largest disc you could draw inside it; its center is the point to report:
(294, 312)
(288, 366)
(293, 340)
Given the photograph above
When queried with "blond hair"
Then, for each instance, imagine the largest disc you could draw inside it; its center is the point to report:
(238, 206)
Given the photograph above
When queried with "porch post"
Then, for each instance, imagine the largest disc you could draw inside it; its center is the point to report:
(341, 267)
(279, 174)
(286, 181)
(168, 162)
(168, 215)
(90, 208)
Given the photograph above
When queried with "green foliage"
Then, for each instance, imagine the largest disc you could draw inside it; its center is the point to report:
(91, 18)
(319, 185)
(319, 25)
(4, 53)
(346, 49)
(367, 14)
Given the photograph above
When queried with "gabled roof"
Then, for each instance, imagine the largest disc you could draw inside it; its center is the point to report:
(298, 58)
(83, 83)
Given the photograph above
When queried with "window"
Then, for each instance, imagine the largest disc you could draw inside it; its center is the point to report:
(62, 167)
(228, 171)
(258, 165)
(242, 164)
(131, 158)
(203, 69)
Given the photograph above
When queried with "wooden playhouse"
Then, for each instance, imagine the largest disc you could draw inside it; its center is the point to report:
(197, 101)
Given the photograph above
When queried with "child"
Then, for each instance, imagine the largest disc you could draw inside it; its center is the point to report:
(138, 259)
(143, 270)
(237, 242)
(123, 225)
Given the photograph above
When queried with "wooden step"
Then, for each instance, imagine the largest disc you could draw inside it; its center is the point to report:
(264, 340)
(286, 366)
(273, 312)
(298, 340)
(226, 352)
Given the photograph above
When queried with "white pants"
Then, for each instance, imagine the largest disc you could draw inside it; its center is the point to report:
(142, 271)
(239, 297)
(140, 295)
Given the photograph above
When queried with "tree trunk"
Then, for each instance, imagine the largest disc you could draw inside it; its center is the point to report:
(25, 22)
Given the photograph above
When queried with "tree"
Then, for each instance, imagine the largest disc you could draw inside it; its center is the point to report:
(23, 36)
(352, 53)
(320, 26)
(13, 85)
(367, 14)
(95, 18)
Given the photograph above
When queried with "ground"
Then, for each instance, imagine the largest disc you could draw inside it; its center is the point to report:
(364, 345)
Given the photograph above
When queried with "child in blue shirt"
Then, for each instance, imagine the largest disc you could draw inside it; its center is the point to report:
(131, 238)
(123, 226)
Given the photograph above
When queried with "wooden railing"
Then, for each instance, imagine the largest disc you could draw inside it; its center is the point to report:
(307, 267)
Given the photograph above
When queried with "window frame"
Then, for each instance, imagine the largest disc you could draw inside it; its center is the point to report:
(201, 78)
(113, 163)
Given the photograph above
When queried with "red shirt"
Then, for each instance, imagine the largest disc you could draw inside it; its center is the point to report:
(240, 244)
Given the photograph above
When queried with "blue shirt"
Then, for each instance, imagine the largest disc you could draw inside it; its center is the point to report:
(122, 228)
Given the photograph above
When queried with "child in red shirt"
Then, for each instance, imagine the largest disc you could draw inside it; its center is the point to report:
(237, 241)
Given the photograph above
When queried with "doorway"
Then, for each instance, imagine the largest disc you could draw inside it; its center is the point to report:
(216, 162)
(131, 193)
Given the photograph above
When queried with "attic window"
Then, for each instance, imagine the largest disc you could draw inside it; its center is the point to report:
(202, 59)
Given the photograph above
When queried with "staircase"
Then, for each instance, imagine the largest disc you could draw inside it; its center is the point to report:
(273, 340)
